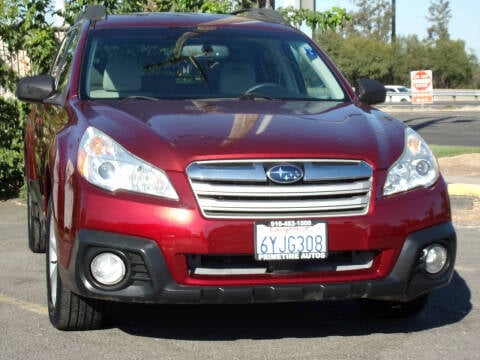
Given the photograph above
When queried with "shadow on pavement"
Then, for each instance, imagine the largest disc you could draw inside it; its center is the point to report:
(275, 321)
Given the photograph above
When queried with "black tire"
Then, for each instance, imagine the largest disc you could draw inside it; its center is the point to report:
(36, 231)
(67, 310)
(395, 309)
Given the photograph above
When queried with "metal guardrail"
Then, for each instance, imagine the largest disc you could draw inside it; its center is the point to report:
(440, 95)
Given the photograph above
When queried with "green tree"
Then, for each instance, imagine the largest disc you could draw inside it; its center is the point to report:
(439, 17)
(372, 19)
(24, 27)
(11, 149)
(319, 22)
(410, 54)
(476, 72)
(450, 64)
(359, 56)
(362, 49)
(7, 76)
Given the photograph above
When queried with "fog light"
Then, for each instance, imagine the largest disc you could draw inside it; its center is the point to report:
(435, 257)
(108, 268)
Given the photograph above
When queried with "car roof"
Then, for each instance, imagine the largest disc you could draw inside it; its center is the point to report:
(170, 19)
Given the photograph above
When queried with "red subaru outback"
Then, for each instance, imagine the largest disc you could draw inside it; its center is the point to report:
(192, 158)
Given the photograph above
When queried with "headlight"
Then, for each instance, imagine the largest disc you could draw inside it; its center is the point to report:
(416, 167)
(104, 163)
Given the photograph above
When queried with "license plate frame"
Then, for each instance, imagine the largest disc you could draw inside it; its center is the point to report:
(283, 240)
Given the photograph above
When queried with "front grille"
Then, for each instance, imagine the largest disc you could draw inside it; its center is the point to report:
(237, 265)
(241, 189)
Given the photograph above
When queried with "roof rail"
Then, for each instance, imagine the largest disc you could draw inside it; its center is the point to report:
(93, 13)
(262, 14)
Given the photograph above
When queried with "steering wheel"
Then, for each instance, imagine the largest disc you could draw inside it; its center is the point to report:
(265, 88)
(270, 89)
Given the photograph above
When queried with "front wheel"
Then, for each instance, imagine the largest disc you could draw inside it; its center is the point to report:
(66, 310)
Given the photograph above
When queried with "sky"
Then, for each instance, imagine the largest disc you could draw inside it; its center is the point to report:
(411, 19)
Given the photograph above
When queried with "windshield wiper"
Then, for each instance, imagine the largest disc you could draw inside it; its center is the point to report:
(174, 60)
(139, 97)
(290, 98)
(251, 96)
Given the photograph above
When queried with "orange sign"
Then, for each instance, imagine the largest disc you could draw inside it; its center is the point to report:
(422, 86)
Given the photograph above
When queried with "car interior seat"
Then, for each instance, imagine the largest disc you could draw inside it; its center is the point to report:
(122, 77)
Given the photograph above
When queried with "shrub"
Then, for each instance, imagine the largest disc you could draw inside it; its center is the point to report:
(11, 148)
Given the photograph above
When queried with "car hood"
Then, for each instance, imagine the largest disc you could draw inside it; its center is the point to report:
(171, 134)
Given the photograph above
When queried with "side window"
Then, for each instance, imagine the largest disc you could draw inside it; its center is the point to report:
(318, 78)
(61, 67)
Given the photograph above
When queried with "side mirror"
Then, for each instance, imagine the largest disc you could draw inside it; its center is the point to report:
(370, 91)
(35, 88)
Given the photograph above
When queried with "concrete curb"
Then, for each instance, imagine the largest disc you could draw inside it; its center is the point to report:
(464, 189)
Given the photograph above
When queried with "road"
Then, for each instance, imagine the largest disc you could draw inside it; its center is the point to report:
(442, 127)
(447, 328)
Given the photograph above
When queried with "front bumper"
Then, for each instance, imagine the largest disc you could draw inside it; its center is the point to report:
(149, 280)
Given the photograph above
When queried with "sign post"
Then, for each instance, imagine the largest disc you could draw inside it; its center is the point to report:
(422, 86)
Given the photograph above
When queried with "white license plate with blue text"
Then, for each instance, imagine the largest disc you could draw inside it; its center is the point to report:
(291, 240)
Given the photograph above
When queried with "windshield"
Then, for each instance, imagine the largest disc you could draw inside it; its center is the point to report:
(179, 63)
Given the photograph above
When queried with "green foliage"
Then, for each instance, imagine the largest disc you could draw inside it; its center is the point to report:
(410, 54)
(450, 64)
(187, 5)
(447, 150)
(41, 45)
(359, 56)
(11, 149)
(24, 27)
(476, 73)
(217, 7)
(7, 77)
(74, 7)
(11, 173)
(372, 19)
(439, 17)
(318, 21)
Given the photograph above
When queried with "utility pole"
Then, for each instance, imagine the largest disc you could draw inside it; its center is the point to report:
(394, 31)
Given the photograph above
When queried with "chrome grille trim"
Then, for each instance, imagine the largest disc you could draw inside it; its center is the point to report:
(240, 172)
(206, 189)
(240, 189)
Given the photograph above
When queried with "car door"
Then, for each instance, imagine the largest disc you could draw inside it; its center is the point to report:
(45, 119)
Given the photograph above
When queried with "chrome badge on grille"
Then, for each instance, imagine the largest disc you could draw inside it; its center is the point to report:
(285, 174)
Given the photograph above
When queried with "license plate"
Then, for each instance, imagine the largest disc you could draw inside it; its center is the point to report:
(291, 240)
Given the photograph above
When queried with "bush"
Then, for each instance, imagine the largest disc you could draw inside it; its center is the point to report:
(11, 148)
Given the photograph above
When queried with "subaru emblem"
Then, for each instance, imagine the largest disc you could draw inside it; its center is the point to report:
(285, 174)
